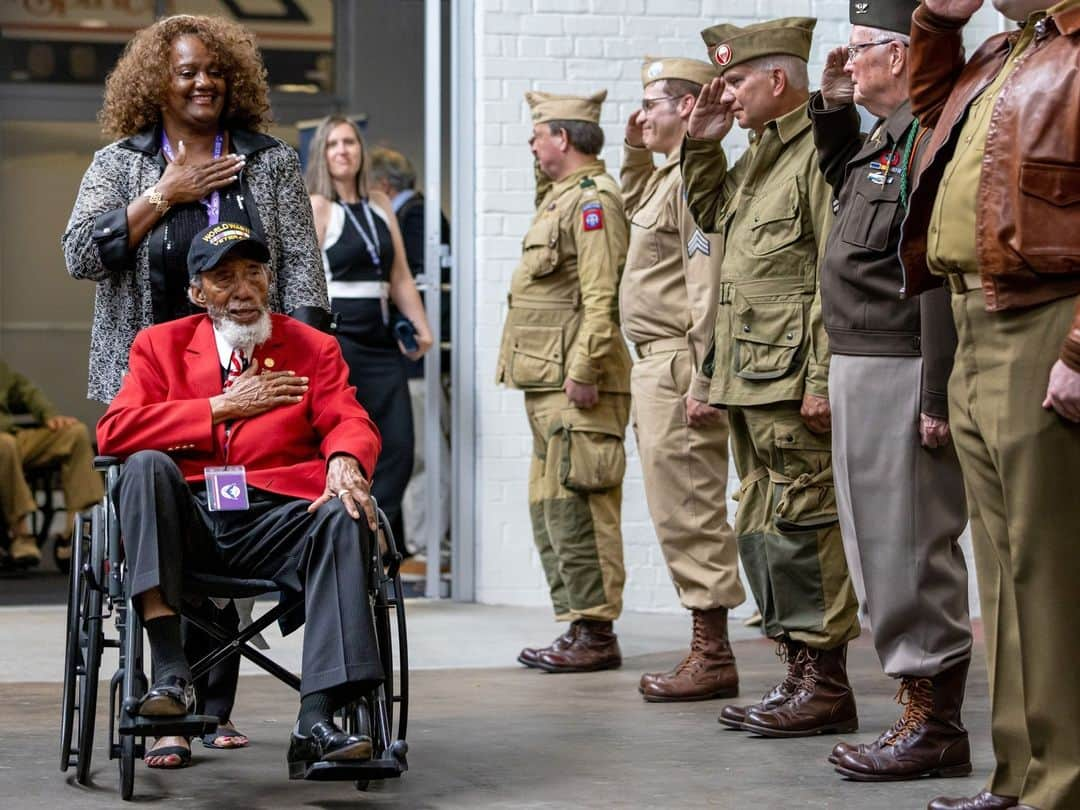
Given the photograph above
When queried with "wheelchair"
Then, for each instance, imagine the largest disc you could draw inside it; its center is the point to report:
(98, 593)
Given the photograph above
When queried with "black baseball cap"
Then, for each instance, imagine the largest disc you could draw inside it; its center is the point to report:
(210, 246)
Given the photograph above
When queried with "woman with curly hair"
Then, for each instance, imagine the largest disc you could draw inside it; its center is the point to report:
(187, 101)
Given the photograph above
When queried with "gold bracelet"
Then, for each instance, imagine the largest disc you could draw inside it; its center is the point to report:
(161, 205)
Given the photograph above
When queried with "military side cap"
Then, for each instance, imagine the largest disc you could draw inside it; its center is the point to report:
(655, 68)
(890, 15)
(730, 45)
(553, 107)
(210, 246)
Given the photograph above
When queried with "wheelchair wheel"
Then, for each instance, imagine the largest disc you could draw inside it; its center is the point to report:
(127, 766)
(82, 658)
(73, 658)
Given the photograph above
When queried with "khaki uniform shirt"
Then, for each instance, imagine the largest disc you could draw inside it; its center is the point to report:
(563, 316)
(774, 210)
(950, 241)
(669, 286)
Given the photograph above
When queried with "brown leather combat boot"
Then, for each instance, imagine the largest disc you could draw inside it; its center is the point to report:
(927, 740)
(707, 672)
(529, 655)
(594, 646)
(982, 801)
(787, 651)
(823, 703)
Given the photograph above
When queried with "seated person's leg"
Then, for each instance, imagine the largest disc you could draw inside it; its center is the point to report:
(16, 502)
(161, 528)
(325, 554)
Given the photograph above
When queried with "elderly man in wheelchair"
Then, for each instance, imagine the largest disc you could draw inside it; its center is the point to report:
(247, 455)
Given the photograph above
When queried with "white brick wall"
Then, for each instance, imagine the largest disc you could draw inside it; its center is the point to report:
(576, 46)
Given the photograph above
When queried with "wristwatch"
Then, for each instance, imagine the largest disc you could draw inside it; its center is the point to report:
(161, 205)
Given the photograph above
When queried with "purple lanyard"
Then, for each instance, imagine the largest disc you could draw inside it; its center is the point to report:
(212, 204)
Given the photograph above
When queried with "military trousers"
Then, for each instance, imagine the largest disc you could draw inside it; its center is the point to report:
(575, 501)
(902, 511)
(787, 528)
(1021, 466)
(33, 447)
(685, 471)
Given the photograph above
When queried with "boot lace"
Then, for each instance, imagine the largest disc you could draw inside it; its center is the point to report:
(916, 695)
(807, 680)
(697, 652)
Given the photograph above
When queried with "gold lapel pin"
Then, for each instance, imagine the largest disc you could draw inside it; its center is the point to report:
(268, 362)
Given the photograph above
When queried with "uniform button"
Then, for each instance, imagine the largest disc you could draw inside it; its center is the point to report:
(790, 336)
(746, 327)
(106, 230)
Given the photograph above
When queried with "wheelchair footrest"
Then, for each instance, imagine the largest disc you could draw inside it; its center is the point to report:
(387, 768)
(191, 725)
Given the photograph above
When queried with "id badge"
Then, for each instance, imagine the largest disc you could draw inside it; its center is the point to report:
(226, 488)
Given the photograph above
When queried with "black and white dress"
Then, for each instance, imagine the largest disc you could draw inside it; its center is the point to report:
(376, 365)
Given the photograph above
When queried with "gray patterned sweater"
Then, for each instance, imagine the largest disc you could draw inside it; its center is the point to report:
(95, 242)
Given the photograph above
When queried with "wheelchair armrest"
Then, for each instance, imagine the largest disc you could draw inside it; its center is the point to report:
(102, 463)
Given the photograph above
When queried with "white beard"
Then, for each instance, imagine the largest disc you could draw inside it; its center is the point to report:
(242, 336)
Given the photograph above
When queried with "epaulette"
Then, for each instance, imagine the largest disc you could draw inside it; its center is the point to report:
(588, 182)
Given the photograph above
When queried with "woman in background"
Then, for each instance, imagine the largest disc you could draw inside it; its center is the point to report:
(366, 270)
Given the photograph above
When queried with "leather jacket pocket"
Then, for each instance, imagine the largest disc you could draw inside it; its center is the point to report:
(536, 356)
(540, 247)
(777, 221)
(1048, 210)
(868, 222)
(767, 338)
(593, 455)
(804, 497)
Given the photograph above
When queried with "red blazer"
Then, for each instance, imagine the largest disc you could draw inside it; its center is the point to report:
(164, 404)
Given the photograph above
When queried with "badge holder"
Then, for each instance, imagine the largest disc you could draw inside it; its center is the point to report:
(226, 488)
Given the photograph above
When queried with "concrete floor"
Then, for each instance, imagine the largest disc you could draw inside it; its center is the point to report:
(488, 734)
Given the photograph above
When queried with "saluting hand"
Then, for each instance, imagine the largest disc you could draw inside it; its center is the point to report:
(634, 136)
(253, 393)
(954, 9)
(836, 86)
(712, 118)
(184, 183)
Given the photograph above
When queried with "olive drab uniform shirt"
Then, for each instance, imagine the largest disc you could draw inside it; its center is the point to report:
(773, 209)
(669, 285)
(563, 319)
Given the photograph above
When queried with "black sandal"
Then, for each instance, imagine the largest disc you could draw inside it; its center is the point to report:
(166, 751)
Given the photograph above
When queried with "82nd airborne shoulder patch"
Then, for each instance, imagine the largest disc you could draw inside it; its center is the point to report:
(592, 216)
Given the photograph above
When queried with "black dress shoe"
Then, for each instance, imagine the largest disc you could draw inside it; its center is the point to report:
(325, 743)
(170, 697)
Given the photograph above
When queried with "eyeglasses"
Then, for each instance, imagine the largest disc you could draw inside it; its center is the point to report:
(647, 104)
(854, 50)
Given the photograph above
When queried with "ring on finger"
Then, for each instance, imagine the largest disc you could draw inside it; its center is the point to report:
(342, 493)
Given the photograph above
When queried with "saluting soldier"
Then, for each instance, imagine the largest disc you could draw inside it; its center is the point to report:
(898, 483)
(561, 345)
(773, 211)
(996, 211)
(667, 301)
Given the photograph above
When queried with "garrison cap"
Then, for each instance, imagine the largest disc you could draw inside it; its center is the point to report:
(553, 107)
(655, 68)
(730, 45)
(210, 246)
(889, 15)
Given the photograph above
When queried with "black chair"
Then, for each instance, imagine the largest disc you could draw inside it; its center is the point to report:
(98, 593)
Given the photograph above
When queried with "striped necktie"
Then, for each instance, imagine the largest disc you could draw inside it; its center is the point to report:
(236, 368)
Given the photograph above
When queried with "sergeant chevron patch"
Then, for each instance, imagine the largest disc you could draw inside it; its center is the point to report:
(698, 244)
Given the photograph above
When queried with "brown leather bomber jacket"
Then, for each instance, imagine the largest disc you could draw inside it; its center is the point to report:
(1028, 215)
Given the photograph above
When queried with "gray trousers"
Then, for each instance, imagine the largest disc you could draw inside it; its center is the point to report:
(902, 510)
(166, 528)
